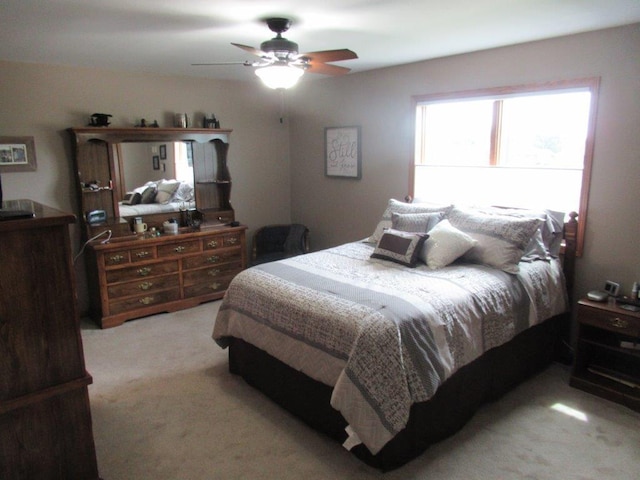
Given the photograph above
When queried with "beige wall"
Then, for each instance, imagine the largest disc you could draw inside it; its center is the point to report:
(43, 101)
(339, 210)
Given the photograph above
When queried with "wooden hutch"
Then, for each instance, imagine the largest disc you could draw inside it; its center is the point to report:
(134, 275)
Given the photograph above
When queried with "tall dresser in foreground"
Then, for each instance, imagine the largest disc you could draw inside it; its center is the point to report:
(45, 419)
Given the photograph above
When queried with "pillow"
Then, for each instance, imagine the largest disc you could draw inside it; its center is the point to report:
(149, 194)
(400, 247)
(402, 207)
(166, 189)
(444, 245)
(501, 238)
(415, 222)
(132, 198)
(552, 232)
(184, 193)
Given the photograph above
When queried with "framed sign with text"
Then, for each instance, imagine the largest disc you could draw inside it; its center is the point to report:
(343, 156)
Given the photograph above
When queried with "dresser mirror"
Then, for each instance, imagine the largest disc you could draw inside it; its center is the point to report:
(119, 168)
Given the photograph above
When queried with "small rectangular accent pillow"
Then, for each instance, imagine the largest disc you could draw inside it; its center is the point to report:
(501, 239)
(396, 206)
(400, 247)
(132, 198)
(166, 189)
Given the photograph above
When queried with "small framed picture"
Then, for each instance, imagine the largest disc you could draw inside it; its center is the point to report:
(163, 152)
(17, 154)
(156, 162)
(342, 152)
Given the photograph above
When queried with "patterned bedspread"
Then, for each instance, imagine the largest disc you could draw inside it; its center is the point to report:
(383, 335)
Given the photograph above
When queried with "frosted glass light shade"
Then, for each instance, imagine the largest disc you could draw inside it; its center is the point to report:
(279, 76)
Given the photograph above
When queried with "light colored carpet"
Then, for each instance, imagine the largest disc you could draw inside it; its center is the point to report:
(165, 407)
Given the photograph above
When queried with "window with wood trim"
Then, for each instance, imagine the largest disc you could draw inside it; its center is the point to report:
(524, 146)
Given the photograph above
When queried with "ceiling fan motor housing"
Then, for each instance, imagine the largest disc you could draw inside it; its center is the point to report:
(280, 47)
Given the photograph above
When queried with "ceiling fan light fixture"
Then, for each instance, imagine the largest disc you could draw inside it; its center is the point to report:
(279, 76)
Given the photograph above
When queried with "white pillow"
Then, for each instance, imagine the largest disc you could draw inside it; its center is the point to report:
(444, 245)
(396, 206)
(166, 189)
(415, 222)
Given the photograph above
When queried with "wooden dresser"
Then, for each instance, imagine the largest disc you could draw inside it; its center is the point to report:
(139, 275)
(45, 419)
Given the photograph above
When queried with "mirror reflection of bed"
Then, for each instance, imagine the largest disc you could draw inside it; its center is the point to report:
(159, 185)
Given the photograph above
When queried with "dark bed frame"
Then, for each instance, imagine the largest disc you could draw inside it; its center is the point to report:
(486, 379)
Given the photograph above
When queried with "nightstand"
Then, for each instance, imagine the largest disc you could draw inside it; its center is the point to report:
(607, 358)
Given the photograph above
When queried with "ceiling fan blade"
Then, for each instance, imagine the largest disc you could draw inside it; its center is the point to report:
(251, 50)
(330, 55)
(326, 69)
(246, 64)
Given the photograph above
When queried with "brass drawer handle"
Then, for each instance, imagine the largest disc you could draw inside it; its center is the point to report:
(212, 244)
(143, 272)
(143, 254)
(179, 249)
(145, 285)
(116, 258)
(146, 300)
(232, 240)
(213, 259)
(215, 285)
(619, 322)
(213, 273)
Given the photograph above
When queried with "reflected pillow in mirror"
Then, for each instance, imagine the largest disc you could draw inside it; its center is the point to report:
(132, 198)
(166, 189)
(148, 195)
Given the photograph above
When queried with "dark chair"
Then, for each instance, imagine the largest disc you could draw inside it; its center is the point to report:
(274, 242)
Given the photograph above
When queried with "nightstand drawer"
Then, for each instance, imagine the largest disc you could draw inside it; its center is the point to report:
(612, 321)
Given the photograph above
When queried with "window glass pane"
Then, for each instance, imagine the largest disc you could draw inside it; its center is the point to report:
(455, 133)
(544, 131)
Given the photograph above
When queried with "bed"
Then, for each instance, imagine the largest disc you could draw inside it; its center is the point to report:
(158, 196)
(392, 343)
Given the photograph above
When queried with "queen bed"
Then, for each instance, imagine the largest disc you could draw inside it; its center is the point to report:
(392, 343)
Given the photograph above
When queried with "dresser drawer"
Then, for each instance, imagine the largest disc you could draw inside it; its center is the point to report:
(117, 257)
(141, 271)
(220, 241)
(146, 300)
(204, 275)
(612, 321)
(212, 258)
(215, 285)
(178, 248)
(138, 287)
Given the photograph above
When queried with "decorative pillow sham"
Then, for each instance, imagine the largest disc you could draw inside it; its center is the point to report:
(166, 189)
(400, 247)
(501, 239)
(396, 206)
(149, 194)
(445, 244)
(415, 222)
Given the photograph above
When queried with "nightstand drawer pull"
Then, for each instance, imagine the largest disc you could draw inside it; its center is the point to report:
(212, 244)
(145, 285)
(143, 254)
(143, 272)
(179, 249)
(213, 273)
(619, 322)
(146, 300)
(215, 286)
(232, 240)
(116, 258)
(213, 259)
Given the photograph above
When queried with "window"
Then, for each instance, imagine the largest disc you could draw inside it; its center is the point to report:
(528, 146)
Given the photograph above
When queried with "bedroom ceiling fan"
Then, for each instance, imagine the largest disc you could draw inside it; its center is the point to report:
(280, 64)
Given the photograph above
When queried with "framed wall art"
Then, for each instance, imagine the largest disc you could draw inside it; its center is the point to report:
(163, 152)
(156, 162)
(343, 156)
(17, 154)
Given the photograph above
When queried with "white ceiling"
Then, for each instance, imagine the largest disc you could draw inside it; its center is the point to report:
(167, 36)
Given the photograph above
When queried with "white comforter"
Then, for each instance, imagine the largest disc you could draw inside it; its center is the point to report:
(383, 335)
